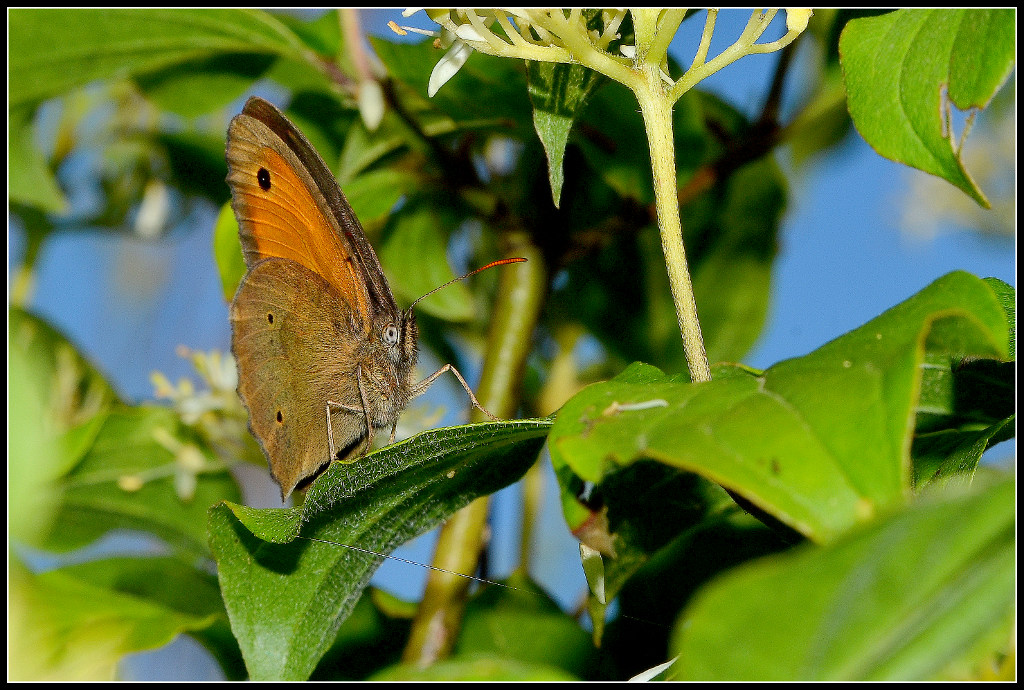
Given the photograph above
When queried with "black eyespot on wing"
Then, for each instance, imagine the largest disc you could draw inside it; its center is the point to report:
(280, 417)
(270, 317)
(263, 177)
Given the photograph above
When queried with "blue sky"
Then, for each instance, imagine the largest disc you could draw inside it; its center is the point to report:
(845, 257)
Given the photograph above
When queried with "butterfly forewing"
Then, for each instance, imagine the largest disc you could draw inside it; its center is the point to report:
(288, 205)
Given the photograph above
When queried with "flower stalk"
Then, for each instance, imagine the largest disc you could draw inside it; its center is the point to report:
(569, 36)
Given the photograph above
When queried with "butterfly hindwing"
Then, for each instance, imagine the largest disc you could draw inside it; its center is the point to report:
(291, 334)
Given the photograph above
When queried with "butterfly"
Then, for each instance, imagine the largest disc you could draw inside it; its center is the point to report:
(325, 356)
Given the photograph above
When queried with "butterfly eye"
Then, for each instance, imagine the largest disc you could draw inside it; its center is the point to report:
(390, 334)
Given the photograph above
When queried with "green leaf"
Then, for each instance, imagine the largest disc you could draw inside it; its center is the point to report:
(983, 56)
(58, 402)
(76, 623)
(227, 251)
(476, 668)
(177, 587)
(414, 256)
(896, 66)
(558, 92)
(1007, 297)
(362, 148)
(127, 480)
(952, 455)
(374, 193)
(521, 622)
(55, 50)
(31, 181)
(916, 596)
(201, 86)
(819, 442)
(287, 597)
(371, 638)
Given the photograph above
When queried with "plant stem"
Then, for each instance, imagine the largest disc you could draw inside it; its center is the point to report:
(656, 108)
(533, 498)
(521, 291)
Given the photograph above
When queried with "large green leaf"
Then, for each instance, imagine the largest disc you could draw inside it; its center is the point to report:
(58, 403)
(76, 623)
(926, 593)
(819, 442)
(371, 638)
(197, 87)
(896, 67)
(145, 470)
(55, 50)
(287, 597)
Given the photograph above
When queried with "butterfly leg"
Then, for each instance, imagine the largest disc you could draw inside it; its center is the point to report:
(366, 409)
(330, 431)
(421, 387)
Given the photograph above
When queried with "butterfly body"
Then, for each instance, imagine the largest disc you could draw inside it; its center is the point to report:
(323, 351)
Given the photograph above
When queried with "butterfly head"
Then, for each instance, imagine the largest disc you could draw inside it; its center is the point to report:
(398, 337)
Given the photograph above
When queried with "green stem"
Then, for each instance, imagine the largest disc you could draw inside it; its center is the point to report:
(656, 108)
(533, 498)
(521, 291)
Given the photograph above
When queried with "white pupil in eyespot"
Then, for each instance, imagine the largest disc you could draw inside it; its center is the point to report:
(391, 335)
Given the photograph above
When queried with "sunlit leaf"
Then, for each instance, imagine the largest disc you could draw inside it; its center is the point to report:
(897, 67)
(820, 442)
(55, 50)
(127, 480)
(558, 92)
(58, 403)
(77, 622)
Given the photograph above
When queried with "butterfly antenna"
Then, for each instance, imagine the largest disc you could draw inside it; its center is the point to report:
(500, 262)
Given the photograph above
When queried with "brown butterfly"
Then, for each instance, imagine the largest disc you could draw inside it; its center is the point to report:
(324, 354)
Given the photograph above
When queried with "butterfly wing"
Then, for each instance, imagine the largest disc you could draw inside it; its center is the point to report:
(304, 313)
(293, 337)
(289, 205)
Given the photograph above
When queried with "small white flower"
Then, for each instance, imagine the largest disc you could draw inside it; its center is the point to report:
(448, 65)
